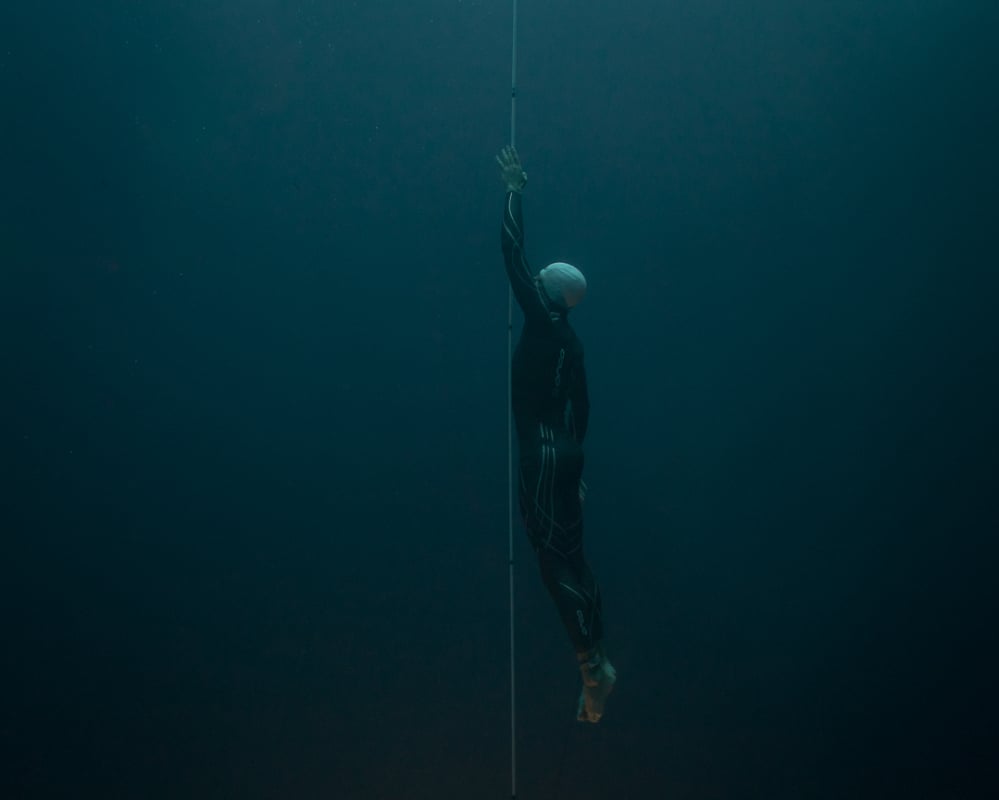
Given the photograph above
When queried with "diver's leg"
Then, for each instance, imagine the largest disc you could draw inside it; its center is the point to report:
(576, 602)
(599, 675)
(577, 597)
(554, 520)
(586, 583)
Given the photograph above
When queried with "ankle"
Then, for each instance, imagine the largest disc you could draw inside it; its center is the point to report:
(592, 657)
(591, 667)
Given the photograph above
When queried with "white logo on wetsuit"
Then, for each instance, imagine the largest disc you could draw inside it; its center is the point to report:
(558, 369)
(582, 624)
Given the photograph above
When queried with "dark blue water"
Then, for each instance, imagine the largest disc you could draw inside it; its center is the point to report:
(254, 427)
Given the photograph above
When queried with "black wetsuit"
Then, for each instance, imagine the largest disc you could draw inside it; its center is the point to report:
(551, 409)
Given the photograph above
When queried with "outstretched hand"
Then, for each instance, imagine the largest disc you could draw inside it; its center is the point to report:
(511, 172)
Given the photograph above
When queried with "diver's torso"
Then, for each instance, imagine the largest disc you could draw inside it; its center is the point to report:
(543, 369)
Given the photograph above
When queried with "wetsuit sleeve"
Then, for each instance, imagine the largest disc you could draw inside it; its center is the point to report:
(525, 289)
(579, 402)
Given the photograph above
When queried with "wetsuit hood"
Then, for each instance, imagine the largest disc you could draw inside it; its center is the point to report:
(564, 284)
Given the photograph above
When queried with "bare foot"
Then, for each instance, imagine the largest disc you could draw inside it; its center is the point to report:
(597, 685)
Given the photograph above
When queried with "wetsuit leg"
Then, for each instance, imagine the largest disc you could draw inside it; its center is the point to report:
(571, 584)
(550, 471)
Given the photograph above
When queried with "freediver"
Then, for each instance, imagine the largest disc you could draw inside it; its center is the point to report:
(551, 410)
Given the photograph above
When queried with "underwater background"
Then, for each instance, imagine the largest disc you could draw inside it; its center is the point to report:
(254, 487)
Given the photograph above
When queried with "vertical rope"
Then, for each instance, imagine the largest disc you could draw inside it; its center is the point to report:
(513, 81)
(509, 435)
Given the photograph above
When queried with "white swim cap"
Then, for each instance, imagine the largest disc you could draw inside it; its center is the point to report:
(563, 283)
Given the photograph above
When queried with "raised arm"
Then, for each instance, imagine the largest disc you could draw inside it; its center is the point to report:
(530, 296)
